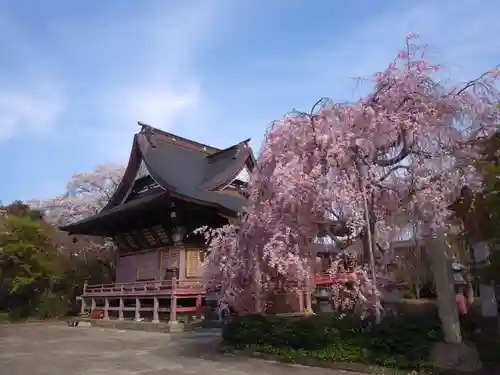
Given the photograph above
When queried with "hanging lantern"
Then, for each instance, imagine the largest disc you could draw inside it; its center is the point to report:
(178, 235)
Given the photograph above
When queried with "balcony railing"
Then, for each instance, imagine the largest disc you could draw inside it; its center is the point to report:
(163, 287)
(155, 290)
(145, 288)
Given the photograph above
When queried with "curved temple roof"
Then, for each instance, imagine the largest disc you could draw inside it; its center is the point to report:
(183, 168)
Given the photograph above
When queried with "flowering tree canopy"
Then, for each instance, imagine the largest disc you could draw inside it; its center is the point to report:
(86, 194)
(407, 146)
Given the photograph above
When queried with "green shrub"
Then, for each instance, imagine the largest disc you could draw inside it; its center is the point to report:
(402, 342)
(54, 306)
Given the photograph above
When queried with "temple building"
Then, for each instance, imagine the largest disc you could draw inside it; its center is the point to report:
(171, 186)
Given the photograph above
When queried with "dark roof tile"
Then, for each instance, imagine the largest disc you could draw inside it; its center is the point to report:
(181, 166)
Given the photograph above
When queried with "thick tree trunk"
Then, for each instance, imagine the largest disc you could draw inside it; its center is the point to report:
(445, 289)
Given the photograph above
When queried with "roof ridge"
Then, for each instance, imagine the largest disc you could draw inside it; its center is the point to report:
(175, 137)
(230, 148)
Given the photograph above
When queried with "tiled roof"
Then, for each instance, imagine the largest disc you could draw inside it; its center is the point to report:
(183, 168)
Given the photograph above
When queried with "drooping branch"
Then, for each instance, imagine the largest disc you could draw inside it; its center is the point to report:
(404, 152)
(391, 171)
(305, 173)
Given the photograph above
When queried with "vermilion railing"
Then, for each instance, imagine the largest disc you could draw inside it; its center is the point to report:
(164, 287)
(323, 279)
(145, 288)
(154, 290)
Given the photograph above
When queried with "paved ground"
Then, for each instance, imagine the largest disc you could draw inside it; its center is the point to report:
(57, 349)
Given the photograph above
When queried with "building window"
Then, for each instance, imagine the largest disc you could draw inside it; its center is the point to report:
(193, 262)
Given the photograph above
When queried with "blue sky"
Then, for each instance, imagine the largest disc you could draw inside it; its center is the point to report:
(75, 76)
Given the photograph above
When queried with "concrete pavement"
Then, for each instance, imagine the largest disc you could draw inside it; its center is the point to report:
(56, 349)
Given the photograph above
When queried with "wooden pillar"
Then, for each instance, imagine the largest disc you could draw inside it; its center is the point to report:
(156, 305)
(173, 301)
(120, 309)
(106, 309)
(199, 311)
(82, 306)
(182, 263)
(92, 304)
(159, 257)
(137, 309)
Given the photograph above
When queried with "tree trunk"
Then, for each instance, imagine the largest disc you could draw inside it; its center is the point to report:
(445, 289)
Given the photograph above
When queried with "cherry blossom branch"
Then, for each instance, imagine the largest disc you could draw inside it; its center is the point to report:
(392, 170)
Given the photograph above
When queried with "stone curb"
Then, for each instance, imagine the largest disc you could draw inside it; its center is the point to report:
(162, 327)
(344, 366)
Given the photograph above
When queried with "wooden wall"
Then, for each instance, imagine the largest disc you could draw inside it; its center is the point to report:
(126, 269)
(158, 264)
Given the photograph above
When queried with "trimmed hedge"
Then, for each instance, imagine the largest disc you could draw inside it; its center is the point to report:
(403, 342)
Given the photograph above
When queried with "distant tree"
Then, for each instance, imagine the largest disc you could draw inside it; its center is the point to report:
(479, 213)
(86, 194)
(30, 264)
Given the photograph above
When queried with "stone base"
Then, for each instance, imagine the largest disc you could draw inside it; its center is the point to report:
(459, 357)
(79, 323)
(489, 327)
(175, 326)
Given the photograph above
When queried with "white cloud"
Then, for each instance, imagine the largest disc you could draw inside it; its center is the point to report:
(157, 106)
(165, 87)
(33, 111)
(160, 107)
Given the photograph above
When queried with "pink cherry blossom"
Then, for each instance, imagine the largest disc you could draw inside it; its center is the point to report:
(352, 289)
(413, 137)
(86, 194)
